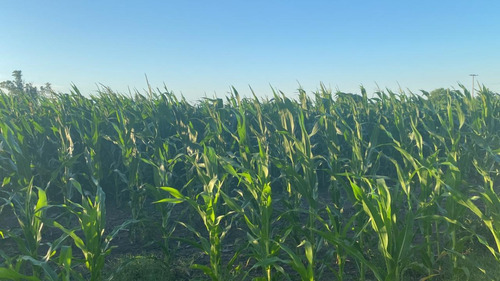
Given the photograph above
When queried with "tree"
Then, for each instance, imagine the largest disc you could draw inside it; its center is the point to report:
(17, 86)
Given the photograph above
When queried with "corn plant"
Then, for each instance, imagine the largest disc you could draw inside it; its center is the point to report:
(163, 166)
(489, 215)
(395, 237)
(66, 158)
(126, 140)
(94, 244)
(338, 181)
(254, 201)
(30, 213)
(300, 172)
(335, 232)
(28, 203)
(206, 204)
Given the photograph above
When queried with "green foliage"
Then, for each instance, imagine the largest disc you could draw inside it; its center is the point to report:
(94, 245)
(329, 186)
(19, 87)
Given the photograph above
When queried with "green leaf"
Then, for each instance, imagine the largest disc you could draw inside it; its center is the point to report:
(296, 263)
(207, 270)
(76, 185)
(174, 192)
(170, 200)
(65, 257)
(50, 274)
(10, 274)
(42, 200)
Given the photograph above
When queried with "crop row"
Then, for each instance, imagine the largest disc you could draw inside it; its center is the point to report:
(328, 186)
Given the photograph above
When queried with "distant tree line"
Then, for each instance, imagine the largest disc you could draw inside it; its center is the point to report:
(18, 87)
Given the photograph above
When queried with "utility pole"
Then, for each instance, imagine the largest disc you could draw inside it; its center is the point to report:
(473, 75)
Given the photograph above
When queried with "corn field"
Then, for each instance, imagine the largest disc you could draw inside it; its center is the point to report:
(330, 186)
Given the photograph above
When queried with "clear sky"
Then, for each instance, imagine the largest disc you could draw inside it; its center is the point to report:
(200, 48)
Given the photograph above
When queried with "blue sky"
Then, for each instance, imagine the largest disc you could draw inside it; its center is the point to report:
(202, 48)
